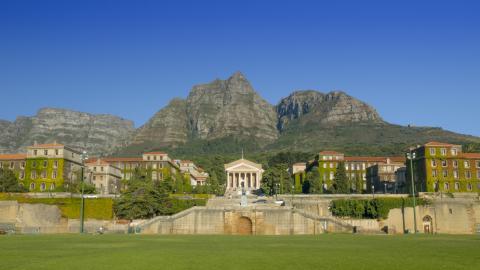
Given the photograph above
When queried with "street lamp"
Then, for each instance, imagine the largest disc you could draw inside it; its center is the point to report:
(411, 156)
(373, 191)
(82, 200)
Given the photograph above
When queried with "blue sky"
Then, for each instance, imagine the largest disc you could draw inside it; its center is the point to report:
(417, 62)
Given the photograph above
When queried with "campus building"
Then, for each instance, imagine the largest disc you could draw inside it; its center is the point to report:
(443, 167)
(195, 174)
(104, 176)
(51, 167)
(355, 167)
(243, 175)
(382, 177)
(14, 162)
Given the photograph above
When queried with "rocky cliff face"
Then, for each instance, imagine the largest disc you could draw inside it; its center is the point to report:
(98, 134)
(332, 108)
(231, 107)
(168, 127)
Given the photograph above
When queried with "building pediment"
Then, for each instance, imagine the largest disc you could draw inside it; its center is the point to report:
(243, 168)
(243, 162)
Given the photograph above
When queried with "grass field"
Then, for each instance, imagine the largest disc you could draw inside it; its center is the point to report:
(329, 251)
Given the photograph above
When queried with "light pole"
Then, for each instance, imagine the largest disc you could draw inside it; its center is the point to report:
(411, 156)
(373, 191)
(82, 200)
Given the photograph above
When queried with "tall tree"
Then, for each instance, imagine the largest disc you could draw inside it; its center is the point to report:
(9, 182)
(316, 185)
(340, 182)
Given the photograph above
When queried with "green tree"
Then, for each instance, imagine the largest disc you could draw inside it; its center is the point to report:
(142, 199)
(340, 182)
(9, 182)
(313, 177)
(359, 185)
(213, 187)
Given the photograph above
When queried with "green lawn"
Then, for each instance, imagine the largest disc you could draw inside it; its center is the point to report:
(329, 251)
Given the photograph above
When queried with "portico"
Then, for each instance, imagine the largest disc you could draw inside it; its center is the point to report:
(243, 174)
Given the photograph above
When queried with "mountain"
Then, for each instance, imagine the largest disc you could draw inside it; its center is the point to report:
(220, 110)
(98, 134)
(226, 116)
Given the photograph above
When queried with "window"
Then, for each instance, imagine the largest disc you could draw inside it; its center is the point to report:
(363, 166)
(324, 165)
(54, 174)
(45, 152)
(22, 175)
(478, 174)
(148, 157)
(33, 175)
(42, 186)
(455, 163)
(443, 151)
(454, 151)
(52, 186)
(22, 165)
(154, 157)
(434, 173)
(55, 163)
(457, 185)
(332, 165)
(445, 173)
(12, 165)
(32, 186)
(45, 163)
(352, 176)
(434, 163)
(466, 164)
(56, 152)
(455, 174)
(478, 163)
(331, 176)
(432, 151)
(34, 164)
(35, 152)
(44, 174)
(352, 166)
(469, 187)
(468, 174)
(446, 186)
(444, 163)
(101, 168)
(154, 165)
(94, 177)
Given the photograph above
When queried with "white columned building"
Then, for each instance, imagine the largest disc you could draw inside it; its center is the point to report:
(243, 174)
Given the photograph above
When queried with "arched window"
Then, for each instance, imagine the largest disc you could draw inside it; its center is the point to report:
(457, 185)
(446, 186)
(32, 186)
(42, 186)
(469, 187)
(52, 186)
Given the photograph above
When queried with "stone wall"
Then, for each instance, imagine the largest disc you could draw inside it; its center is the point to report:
(43, 218)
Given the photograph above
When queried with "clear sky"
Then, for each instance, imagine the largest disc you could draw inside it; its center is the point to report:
(417, 62)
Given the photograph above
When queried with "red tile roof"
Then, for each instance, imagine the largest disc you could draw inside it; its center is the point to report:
(123, 159)
(330, 153)
(433, 143)
(47, 145)
(13, 156)
(375, 159)
(155, 153)
(471, 155)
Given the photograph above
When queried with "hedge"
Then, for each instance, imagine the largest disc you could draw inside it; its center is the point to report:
(98, 208)
(377, 208)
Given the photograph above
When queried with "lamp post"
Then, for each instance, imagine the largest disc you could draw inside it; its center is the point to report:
(82, 200)
(411, 156)
(373, 191)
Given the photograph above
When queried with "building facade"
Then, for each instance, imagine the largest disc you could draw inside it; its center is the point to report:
(355, 167)
(443, 167)
(104, 176)
(15, 163)
(382, 177)
(195, 174)
(243, 174)
(51, 167)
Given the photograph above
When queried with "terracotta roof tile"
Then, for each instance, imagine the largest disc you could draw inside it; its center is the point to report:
(471, 155)
(13, 156)
(46, 145)
(330, 153)
(433, 143)
(155, 153)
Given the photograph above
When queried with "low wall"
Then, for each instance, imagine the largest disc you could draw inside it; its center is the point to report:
(43, 218)
(259, 220)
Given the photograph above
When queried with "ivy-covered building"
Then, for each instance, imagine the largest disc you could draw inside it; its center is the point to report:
(156, 165)
(51, 167)
(327, 163)
(443, 167)
(14, 162)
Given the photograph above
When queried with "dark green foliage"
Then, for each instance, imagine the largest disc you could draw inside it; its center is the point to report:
(9, 182)
(341, 183)
(315, 185)
(276, 180)
(371, 208)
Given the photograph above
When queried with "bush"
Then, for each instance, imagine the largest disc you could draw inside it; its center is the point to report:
(371, 208)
